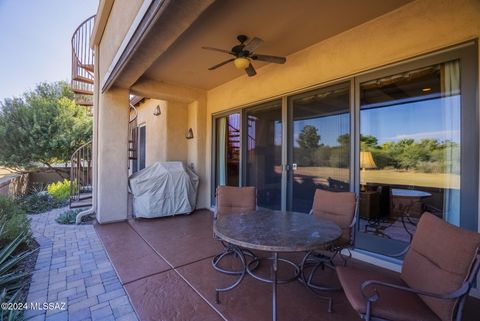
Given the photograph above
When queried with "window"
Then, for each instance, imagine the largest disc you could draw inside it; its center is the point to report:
(417, 134)
(138, 163)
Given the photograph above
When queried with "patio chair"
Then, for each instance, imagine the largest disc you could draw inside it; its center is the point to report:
(438, 271)
(230, 201)
(340, 207)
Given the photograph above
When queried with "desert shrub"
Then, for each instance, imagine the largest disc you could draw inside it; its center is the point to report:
(36, 202)
(60, 190)
(12, 277)
(13, 220)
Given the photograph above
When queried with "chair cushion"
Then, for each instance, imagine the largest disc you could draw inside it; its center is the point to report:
(439, 260)
(338, 207)
(235, 200)
(392, 304)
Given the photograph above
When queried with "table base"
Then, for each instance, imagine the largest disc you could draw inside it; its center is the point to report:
(228, 252)
(274, 280)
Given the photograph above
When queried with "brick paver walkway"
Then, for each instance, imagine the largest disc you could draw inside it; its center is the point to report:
(74, 275)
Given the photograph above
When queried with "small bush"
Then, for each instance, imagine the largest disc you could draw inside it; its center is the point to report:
(38, 203)
(13, 220)
(69, 216)
(60, 190)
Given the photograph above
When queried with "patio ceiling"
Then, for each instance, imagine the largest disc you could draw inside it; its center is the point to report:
(286, 27)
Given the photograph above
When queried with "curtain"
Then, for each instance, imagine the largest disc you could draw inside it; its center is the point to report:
(221, 150)
(451, 102)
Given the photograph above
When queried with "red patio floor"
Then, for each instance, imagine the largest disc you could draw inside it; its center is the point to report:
(165, 267)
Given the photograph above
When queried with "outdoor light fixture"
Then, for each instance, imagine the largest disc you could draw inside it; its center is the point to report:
(157, 111)
(241, 63)
(189, 134)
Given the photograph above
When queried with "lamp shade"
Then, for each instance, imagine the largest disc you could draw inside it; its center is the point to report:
(241, 63)
(366, 160)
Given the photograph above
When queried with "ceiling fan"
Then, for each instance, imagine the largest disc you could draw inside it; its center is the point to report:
(244, 54)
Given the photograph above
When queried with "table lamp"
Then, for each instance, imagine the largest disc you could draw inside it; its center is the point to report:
(366, 162)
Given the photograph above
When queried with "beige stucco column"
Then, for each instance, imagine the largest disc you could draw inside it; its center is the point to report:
(112, 164)
(196, 149)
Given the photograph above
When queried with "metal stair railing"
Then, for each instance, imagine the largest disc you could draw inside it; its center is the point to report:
(132, 134)
(83, 62)
(81, 174)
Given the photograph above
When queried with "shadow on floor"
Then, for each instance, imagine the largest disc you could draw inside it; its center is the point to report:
(165, 267)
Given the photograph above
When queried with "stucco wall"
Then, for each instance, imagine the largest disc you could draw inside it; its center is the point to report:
(121, 17)
(156, 131)
(176, 130)
(417, 28)
(165, 134)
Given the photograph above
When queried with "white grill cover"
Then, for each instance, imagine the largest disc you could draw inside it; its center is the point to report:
(163, 189)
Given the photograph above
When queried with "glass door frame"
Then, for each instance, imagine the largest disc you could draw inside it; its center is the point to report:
(288, 143)
(469, 182)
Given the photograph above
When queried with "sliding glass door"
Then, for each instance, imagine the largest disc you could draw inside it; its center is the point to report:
(418, 137)
(403, 138)
(264, 153)
(318, 144)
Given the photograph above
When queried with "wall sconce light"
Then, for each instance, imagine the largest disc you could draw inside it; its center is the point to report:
(157, 111)
(189, 134)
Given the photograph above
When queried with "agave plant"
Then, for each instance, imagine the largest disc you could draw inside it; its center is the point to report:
(12, 280)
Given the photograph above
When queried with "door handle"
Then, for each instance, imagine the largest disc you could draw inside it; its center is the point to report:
(294, 166)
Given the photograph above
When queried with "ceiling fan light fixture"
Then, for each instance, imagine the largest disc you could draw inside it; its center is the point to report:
(241, 63)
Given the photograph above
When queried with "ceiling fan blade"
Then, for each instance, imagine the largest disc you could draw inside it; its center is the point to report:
(220, 50)
(253, 44)
(250, 71)
(221, 64)
(274, 59)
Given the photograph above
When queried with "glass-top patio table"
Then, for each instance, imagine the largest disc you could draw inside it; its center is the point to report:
(273, 231)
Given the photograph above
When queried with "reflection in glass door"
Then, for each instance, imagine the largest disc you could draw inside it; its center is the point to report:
(410, 143)
(264, 153)
(227, 158)
(319, 144)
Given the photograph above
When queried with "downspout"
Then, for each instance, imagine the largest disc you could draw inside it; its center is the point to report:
(80, 215)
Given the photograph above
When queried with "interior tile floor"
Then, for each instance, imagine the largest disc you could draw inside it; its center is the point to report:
(165, 266)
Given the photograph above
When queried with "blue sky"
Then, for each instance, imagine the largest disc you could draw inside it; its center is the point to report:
(35, 41)
(436, 119)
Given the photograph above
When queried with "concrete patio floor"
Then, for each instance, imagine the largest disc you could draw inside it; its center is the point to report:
(165, 266)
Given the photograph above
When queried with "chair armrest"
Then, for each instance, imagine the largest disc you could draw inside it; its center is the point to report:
(449, 295)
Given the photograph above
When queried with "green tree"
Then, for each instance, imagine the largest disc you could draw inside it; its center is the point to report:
(309, 142)
(309, 138)
(42, 128)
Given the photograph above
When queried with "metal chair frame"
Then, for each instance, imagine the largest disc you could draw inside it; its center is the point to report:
(319, 258)
(234, 250)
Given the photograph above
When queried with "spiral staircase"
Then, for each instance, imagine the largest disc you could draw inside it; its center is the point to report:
(83, 63)
(82, 85)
